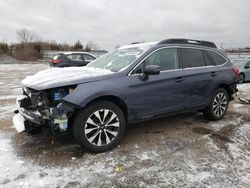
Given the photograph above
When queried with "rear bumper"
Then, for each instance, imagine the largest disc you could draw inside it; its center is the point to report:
(233, 90)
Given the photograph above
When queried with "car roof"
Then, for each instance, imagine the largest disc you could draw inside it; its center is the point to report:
(74, 52)
(156, 43)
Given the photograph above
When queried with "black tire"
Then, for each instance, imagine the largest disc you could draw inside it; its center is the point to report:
(87, 126)
(241, 78)
(211, 112)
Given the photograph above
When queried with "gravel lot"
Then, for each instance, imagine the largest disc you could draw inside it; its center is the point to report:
(180, 151)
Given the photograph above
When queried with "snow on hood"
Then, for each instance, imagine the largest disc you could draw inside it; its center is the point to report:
(57, 77)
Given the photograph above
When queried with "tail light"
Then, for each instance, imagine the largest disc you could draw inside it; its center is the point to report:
(55, 61)
(236, 71)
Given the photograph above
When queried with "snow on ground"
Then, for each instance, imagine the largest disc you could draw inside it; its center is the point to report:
(6, 111)
(180, 151)
(18, 172)
(244, 88)
(4, 97)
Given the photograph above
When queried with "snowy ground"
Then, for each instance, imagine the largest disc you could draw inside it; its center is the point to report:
(181, 151)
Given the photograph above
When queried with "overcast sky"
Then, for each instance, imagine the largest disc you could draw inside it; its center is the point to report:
(109, 23)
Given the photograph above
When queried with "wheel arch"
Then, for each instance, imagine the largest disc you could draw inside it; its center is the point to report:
(114, 99)
(227, 88)
(242, 73)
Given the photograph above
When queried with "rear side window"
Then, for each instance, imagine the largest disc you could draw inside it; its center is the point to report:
(192, 58)
(207, 59)
(75, 57)
(218, 59)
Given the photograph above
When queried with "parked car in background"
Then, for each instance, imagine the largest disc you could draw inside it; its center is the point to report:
(244, 68)
(133, 83)
(71, 59)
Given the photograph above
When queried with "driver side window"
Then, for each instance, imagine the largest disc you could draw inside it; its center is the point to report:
(166, 58)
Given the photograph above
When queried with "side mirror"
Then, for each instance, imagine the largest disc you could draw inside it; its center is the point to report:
(247, 66)
(152, 70)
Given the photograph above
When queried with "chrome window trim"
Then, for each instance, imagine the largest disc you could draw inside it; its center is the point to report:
(130, 72)
(198, 48)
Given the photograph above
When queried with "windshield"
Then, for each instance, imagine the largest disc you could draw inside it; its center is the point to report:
(239, 62)
(120, 58)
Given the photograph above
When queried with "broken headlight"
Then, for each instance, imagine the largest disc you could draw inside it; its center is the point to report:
(59, 94)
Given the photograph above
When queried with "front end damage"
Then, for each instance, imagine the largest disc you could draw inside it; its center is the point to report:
(43, 111)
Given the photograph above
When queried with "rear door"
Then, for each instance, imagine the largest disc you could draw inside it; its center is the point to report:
(159, 93)
(200, 75)
(76, 60)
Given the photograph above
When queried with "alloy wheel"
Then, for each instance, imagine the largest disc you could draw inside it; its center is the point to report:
(220, 104)
(101, 127)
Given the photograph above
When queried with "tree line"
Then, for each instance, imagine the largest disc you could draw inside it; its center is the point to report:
(30, 46)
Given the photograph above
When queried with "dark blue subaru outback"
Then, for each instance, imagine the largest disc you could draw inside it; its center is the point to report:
(133, 83)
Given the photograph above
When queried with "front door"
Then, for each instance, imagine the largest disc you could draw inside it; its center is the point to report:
(158, 93)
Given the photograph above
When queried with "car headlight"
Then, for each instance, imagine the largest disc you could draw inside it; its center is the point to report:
(62, 92)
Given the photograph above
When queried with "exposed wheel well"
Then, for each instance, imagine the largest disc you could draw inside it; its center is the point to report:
(116, 100)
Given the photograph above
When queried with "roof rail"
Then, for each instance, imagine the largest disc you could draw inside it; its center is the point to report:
(188, 41)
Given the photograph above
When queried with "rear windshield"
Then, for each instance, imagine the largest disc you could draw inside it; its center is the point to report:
(58, 56)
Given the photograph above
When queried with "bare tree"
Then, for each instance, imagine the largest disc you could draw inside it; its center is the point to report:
(78, 45)
(90, 46)
(25, 36)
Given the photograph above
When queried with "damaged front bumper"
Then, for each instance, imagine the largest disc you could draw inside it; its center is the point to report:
(32, 120)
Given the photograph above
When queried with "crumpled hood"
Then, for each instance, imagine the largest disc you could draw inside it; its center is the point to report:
(56, 77)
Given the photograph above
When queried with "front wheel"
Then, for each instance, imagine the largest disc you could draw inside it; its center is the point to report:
(99, 127)
(218, 105)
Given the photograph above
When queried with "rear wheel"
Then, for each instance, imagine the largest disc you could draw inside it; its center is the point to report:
(99, 127)
(218, 106)
(241, 78)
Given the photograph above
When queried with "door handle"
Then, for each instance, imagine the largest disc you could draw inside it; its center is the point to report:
(213, 73)
(179, 79)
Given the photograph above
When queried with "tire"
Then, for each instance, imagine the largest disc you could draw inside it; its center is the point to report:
(241, 78)
(99, 127)
(218, 105)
